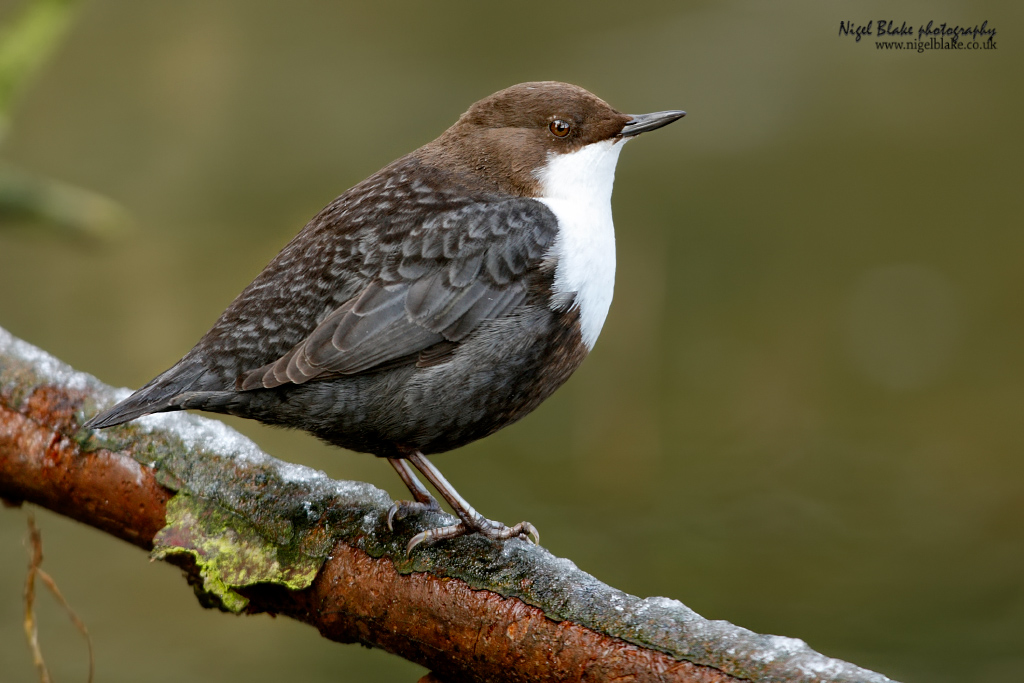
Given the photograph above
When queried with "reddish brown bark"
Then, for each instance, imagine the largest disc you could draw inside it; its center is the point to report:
(455, 630)
(40, 464)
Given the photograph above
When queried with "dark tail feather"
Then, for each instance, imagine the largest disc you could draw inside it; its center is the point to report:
(156, 397)
(126, 411)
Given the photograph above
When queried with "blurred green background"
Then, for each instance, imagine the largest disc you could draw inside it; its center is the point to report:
(804, 412)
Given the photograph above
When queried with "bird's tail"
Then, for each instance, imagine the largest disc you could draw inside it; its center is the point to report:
(156, 397)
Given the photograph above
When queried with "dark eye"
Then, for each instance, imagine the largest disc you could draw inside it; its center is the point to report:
(559, 128)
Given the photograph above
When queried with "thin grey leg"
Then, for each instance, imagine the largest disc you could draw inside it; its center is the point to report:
(422, 502)
(471, 520)
(419, 492)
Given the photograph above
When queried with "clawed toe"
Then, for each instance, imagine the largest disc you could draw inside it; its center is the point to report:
(436, 534)
(400, 509)
(496, 531)
(527, 532)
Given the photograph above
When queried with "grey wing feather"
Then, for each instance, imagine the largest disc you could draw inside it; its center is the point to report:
(445, 278)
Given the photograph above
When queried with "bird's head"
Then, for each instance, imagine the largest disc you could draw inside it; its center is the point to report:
(515, 136)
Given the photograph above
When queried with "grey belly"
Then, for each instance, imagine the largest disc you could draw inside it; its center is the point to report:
(495, 377)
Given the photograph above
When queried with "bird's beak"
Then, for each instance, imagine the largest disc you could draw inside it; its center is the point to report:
(641, 123)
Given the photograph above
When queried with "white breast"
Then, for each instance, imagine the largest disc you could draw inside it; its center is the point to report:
(577, 187)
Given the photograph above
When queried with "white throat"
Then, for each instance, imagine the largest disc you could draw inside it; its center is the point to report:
(577, 187)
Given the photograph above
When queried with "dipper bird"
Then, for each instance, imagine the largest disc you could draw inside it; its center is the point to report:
(437, 301)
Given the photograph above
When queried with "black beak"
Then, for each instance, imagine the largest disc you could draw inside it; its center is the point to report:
(641, 123)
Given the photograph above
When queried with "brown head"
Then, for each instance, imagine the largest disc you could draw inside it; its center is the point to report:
(506, 139)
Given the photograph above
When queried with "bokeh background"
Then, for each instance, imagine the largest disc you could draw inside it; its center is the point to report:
(804, 412)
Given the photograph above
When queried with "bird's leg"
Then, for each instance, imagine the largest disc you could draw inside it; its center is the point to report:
(422, 502)
(471, 520)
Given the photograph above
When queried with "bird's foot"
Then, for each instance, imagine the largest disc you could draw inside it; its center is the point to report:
(400, 509)
(470, 520)
(496, 531)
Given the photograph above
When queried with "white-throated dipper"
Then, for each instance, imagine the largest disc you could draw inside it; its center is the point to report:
(437, 301)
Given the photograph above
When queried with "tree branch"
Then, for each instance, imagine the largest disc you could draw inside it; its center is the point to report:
(255, 534)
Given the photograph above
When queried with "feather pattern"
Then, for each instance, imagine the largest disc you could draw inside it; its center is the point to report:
(451, 271)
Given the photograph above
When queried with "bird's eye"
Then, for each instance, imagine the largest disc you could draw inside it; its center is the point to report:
(559, 128)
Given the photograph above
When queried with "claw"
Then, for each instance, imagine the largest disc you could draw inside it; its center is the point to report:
(402, 508)
(415, 541)
(528, 532)
(437, 534)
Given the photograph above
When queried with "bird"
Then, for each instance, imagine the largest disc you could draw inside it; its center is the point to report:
(432, 304)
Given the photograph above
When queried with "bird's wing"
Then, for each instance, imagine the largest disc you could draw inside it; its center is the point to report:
(431, 289)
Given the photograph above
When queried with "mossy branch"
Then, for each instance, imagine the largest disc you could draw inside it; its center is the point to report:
(255, 534)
